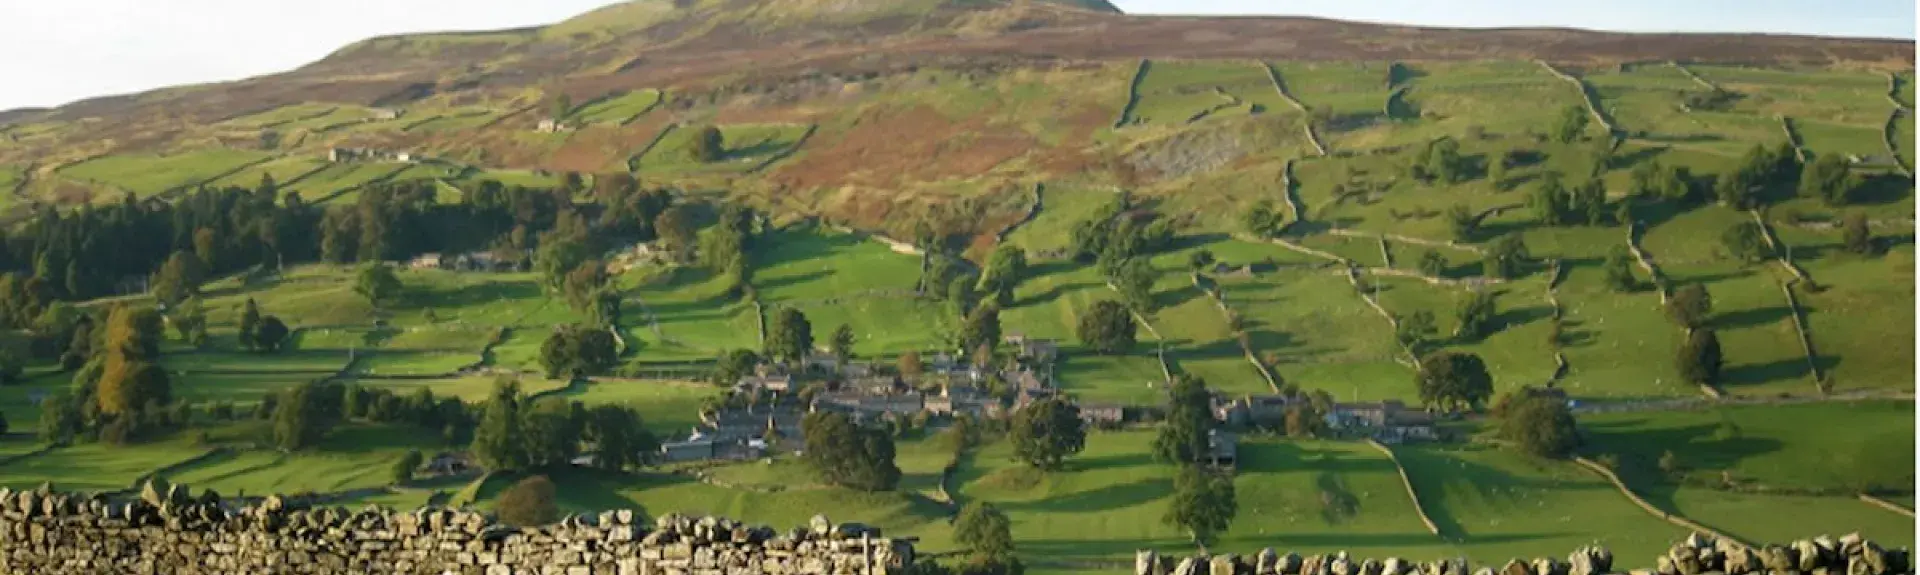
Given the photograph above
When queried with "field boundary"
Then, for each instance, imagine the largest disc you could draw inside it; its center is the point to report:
(1313, 137)
(1640, 255)
(1033, 211)
(1220, 301)
(1133, 93)
(1893, 91)
(1560, 365)
(786, 153)
(634, 164)
(1160, 343)
(1288, 194)
(1806, 338)
(659, 98)
(1407, 482)
(1793, 138)
(1682, 522)
(1589, 98)
(1353, 277)
(43, 450)
(1688, 72)
(1887, 505)
(1888, 136)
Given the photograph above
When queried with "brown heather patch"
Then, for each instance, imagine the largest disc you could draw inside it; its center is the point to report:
(916, 144)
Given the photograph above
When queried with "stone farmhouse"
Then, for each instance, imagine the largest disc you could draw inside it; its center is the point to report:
(1386, 421)
(345, 155)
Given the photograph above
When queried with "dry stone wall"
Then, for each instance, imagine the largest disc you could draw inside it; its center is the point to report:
(1699, 554)
(44, 532)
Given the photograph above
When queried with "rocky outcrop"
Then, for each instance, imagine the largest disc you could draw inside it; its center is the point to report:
(168, 530)
(1697, 555)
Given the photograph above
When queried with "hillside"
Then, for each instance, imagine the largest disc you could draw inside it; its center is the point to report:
(1282, 207)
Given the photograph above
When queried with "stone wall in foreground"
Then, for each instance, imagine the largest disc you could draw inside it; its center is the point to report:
(43, 532)
(1699, 554)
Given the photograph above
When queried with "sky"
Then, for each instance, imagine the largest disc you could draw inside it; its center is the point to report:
(57, 51)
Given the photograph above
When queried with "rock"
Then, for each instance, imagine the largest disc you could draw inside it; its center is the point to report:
(1340, 565)
(1187, 566)
(1145, 563)
(819, 526)
(1266, 562)
(1807, 555)
(1393, 566)
(1777, 559)
(1288, 564)
(1685, 559)
(1222, 565)
(1740, 561)
(1850, 544)
(1369, 567)
(153, 493)
(1664, 565)
(1515, 567)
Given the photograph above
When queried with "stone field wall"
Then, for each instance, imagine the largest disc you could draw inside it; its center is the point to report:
(43, 532)
(1699, 554)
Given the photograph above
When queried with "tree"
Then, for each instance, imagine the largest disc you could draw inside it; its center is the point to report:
(578, 350)
(560, 106)
(1262, 220)
(620, 437)
(984, 530)
(848, 455)
(1746, 242)
(733, 365)
(675, 226)
(1439, 161)
(1200, 259)
(531, 502)
(1005, 269)
(1619, 269)
(790, 336)
(299, 417)
(179, 278)
(377, 283)
(1858, 238)
(1571, 124)
(551, 432)
(982, 329)
(1830, 179)
(131, 376)
(1047, 432)
(249, 324)
(403, 468)
(1183, 434)
(909, 364)
(271, 334)
(60, 418)
(708, 145)
(1505, 256)
(1538, 425)
(1497, 169)
(842, 343)
(583, 283)
(1432, 264)
(1203, 503)
(1134, 278)
(1475, 313)
(1416, 329)
(1588, 202)
(496, 442)
(1108, 328)
(1699, 359)
(1462, 222)
(1451, 380)
(1549, 199)
(1690, 306)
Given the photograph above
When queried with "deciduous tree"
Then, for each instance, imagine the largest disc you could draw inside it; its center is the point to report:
(790, 336)
(1699, 359)
(1183, 434)
(1108, 328)
(848, 455)
(532, 502)
(1203, 503)
(1538, 425)
(1690, 306)
(1046, 432)
(377, 283)
(984, 530)
(1452, 380)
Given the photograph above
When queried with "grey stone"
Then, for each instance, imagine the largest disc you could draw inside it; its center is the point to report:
(1222, 565)
(1145, 562)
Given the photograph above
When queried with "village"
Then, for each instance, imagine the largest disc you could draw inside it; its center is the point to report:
(762, 416)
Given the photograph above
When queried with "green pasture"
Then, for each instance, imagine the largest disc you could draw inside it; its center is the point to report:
(1175, 92)
(341, 178)
(94, 466)
(1350, 91)
(837, 278)
(684, 313)
(616, 109)
(745, 146)
(669, 408)
(1768, 446)
(1292, 314)
(283, 170)
(148, 174)
(1860, 317)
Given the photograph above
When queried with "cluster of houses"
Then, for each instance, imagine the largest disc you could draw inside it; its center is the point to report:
(551, 126)
(480, 261)
(343, 155)
(1389, 421)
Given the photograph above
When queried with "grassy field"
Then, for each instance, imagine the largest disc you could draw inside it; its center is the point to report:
(150, 174)
(745, 147)
(1287, 314)
(837, 278)
(669, 408)
(685, 314)
(616, 109)
(95, 467)
(339, 178)
(1771, 446)
(1177, 92)
(1502, 505)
